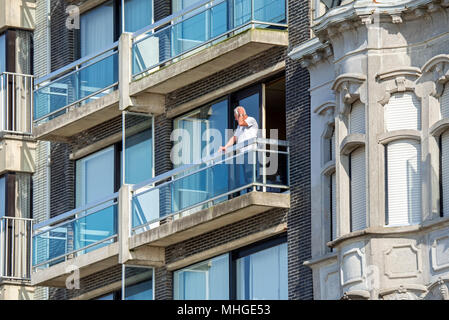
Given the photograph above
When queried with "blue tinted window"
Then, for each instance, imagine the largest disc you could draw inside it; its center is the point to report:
(140, 291)
(263, 275)
(207, 280)
(138, 14)
(2, 53)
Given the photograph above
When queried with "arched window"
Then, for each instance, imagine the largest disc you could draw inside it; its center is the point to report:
(403, 112)
(403, 185)
(358, 189)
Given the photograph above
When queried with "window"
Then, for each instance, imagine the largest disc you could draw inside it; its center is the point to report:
(357, 118)
(2, 196)
(137, 282)
(94, 182)
(403, 170)
(403, 112)
(2, 53)
(333, 206)
(97, 29)
(444, 174)
(207, 280)
(358, 189)
(139, 157)
(258, 271)
(138, 14)
(263, 275)
(444, 102)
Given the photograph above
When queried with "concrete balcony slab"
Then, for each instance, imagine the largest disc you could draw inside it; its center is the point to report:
(87, 264)
(210, 60)
(209, 219)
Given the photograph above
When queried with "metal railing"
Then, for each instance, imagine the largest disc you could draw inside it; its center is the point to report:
(76, 232)
(15, 248)
(84, 80)
(256, 165)
(199, 25)
(204, 23)
(16, 103)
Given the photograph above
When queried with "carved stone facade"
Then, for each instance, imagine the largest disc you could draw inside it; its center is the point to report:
(387, 57)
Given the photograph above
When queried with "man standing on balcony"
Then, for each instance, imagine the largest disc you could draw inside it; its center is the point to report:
(244, 162)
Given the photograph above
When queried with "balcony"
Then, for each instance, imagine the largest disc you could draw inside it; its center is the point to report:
(17, 151)
(15, 249)
(137, 223)
(143, 67)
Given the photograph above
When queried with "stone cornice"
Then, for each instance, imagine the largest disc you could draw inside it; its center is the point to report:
(360, 12)
(311, 52)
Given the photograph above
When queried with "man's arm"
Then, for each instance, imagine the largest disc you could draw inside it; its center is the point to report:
(230, 143)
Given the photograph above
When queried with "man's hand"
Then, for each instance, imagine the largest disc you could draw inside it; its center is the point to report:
(223, 149)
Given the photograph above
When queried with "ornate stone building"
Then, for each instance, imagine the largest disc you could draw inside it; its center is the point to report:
(379, 73)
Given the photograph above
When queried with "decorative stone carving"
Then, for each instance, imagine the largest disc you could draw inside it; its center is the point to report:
(396, 18)
(438, 290)
(402, 261)
(352, 267)
(438, 66)
(349, 88)
(403, 292)
(440, 252)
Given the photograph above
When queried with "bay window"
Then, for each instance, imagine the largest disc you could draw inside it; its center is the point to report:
(403, 171)
(403, 161)
(403, 112)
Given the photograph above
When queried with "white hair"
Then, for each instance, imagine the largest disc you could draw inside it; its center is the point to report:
(236, 110)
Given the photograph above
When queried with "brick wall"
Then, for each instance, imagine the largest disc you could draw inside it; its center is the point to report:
(298, 134)
(244, 69)
(237, 230)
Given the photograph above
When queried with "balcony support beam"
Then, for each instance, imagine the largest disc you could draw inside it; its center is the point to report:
(151, 103)
(145, 255)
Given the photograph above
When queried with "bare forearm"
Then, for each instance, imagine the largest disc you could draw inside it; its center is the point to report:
(230, 142)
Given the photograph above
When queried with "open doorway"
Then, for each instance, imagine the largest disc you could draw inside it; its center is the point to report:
(275, 108)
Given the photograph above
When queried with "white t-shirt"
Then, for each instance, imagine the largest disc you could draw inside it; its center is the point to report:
(243, 133)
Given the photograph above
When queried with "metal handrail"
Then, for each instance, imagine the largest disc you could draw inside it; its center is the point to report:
(63, 218)
(62, 71)
(208, 159)
(15, 248)
(172, 176)
(175, 18)
(15, 106)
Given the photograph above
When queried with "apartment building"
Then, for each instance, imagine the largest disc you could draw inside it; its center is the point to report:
(17, 148)
(379, 148)
(131, 198)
